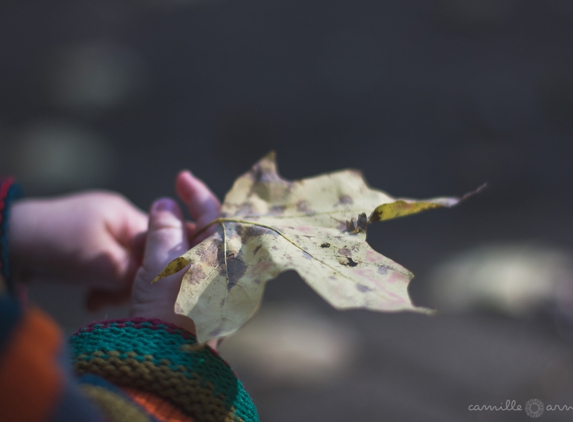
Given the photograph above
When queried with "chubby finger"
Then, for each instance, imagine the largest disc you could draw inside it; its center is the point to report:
(166, 237)
(138, 244)
(204, 206)
(134, 221)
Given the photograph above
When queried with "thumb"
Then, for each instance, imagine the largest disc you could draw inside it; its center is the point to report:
(166, 237)
(166, 240)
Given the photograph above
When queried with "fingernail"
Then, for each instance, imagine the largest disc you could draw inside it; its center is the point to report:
(163, 204)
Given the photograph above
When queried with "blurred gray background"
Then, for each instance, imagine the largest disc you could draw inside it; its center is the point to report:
(428, 98)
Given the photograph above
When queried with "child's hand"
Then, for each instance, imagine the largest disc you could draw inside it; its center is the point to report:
(83, 238)
(167, 238)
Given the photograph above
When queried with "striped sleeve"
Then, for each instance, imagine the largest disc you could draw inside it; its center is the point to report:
(161, 367)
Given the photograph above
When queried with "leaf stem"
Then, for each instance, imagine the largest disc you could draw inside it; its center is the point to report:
(221, 221)
(225, 252)
(232, 220)
(237, 220)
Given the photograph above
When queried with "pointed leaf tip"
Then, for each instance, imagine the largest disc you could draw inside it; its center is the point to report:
(400, 208)
(271, 156)
(405, 207)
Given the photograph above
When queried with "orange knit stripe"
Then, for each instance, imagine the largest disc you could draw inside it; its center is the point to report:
(156, 406)
(30, 381)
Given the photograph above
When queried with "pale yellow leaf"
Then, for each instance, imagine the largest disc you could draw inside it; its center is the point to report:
(315, 226)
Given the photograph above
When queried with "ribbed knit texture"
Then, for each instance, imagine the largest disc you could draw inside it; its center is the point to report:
(165, 360)
(113, 401)
(161, 409)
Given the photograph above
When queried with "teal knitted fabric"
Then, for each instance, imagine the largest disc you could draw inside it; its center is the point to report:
(165, 360)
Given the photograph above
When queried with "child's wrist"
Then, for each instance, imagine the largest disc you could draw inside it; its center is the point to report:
(156, 312)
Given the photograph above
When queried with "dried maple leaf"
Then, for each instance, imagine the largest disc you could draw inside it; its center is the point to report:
(315, 226)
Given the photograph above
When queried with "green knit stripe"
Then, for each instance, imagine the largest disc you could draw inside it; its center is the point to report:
(165, 361)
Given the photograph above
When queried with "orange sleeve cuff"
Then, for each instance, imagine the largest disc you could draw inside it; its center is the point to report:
(30, 379)
(160, 408)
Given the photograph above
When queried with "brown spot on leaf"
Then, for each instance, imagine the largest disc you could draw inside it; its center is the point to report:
(344, 251)
(277, 210)
(258, 248)
(325, 245)
(235, 270)
(196, 275)
(211, 254)
(362, 288)
(302, 206)
(345, 200)
(382, 270)
(248, 231)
